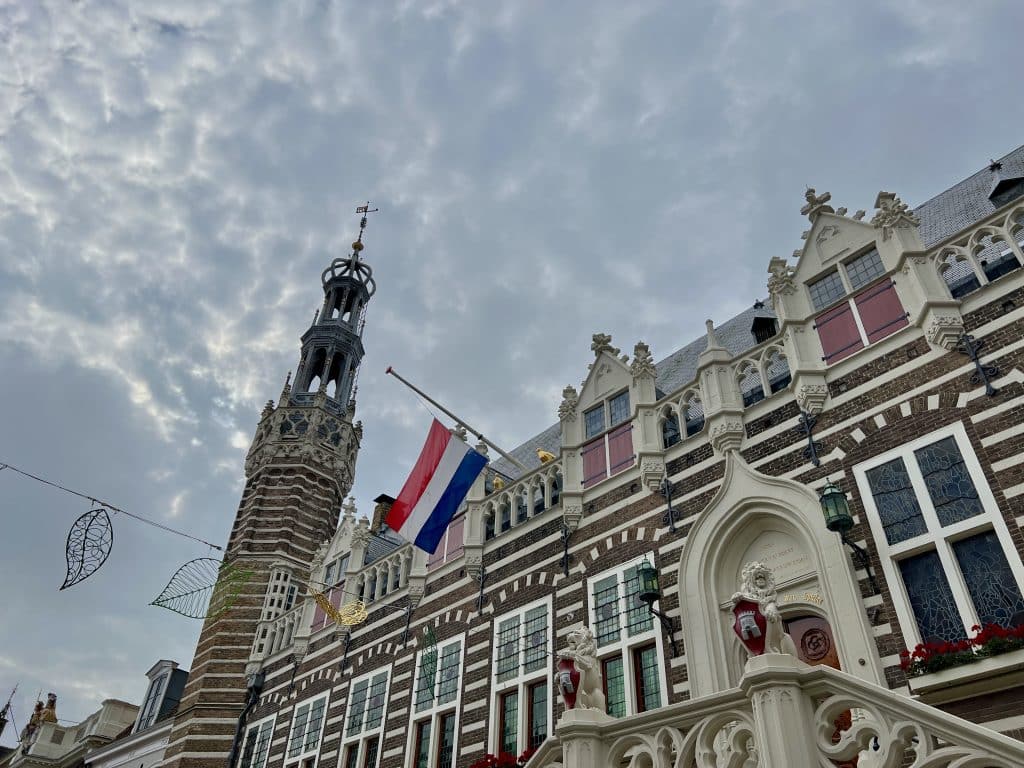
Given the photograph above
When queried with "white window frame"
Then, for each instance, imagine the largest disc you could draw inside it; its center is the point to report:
(605, 404)
(256, 727)
(365, 735)
(937, 537)
(305, 754)
(154, 698)
(522, 681)
(436, 710)
(625, 645)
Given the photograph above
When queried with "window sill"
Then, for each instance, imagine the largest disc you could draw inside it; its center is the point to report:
(970, 679)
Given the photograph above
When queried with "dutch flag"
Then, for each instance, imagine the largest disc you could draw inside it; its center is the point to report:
(436, 487)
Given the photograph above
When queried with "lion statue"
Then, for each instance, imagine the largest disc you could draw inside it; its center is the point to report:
(757, 584)
(582, 652)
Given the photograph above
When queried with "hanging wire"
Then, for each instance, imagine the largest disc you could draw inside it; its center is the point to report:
(108, 505)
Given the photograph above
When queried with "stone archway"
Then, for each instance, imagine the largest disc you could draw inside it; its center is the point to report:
(755, 516)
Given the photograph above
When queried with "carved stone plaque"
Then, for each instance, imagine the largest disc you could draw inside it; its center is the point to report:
(782, 553)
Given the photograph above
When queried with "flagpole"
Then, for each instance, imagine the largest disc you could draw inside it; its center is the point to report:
(459, 421)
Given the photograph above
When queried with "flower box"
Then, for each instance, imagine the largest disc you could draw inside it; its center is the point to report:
(969, 680)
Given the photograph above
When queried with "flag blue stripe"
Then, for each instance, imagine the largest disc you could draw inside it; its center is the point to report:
(432, 532)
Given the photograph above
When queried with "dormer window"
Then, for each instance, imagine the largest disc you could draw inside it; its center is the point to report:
(152, 703)
(612, 411)
(611, 452)
(827, 290)
(865, 268)
(852, 322)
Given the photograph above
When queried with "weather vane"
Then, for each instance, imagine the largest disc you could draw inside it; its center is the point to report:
(357, 246)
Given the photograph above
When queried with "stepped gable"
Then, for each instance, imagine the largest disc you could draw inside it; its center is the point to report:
(964, 203)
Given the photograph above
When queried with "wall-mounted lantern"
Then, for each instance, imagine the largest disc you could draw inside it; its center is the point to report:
(838, 519)
(649, 592)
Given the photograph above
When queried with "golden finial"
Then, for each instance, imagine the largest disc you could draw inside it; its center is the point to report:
(499, 482)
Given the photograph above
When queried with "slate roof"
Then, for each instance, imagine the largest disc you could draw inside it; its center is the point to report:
(965, 203)
(945, 214)
(381, 544)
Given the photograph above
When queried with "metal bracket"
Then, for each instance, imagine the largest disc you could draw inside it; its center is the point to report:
(480, 596)
(668, 626)
(966, 345)
(409, 617)
(805, 426)
(861, 556)
(566, 536)
(344, 658)
(669, 518)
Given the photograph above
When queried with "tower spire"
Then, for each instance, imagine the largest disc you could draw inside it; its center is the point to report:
(332, 348)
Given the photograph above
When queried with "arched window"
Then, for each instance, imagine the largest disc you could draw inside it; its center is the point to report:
(693, 410)
(777, 370)
(751, 386)
(958, 274)
(670, 434)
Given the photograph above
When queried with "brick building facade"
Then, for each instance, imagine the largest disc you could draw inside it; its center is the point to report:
(869, 342)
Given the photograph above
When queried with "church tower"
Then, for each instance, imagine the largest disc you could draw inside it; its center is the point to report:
(298, 471)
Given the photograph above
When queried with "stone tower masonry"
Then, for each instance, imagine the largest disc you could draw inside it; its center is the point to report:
(298, 470)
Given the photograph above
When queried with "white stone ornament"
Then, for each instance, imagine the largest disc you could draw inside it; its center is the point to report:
(757, 585)
(584, 689)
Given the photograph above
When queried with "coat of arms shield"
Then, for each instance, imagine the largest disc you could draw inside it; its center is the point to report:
(568, 681)
(750, 626)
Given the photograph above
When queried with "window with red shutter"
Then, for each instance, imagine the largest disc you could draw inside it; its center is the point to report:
(595, 466)
(880, 310)
(455, 543)
(838, 332)
(620, 449)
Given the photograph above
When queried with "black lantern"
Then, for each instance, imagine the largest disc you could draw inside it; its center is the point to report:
(836, 509)
(648, 592)
(647, 575)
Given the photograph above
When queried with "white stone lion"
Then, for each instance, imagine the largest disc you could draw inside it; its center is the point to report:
(757, 584)
(582, 651)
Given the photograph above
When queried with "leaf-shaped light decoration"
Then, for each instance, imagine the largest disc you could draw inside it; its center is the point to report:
(89, 543)
(203, 588)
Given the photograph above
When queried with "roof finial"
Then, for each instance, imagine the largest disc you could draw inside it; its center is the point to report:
(994, 165)
(357, 246)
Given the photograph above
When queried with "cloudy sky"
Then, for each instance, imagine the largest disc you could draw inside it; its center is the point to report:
(175, 174)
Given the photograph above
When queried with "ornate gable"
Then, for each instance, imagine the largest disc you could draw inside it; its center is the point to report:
(609, 373)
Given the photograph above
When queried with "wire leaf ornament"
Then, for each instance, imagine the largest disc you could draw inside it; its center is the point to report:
(88, 546)
(203, 588)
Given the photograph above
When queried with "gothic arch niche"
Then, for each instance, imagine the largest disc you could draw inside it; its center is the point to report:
(754, 514)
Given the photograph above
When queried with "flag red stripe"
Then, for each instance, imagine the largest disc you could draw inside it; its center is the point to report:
(426, 464)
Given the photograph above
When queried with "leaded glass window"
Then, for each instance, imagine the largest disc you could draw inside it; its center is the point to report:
(648, 695)
(448, 676)
(509, 722)
(931, 598)
(446, 749)
(257, 744)
(425, 680)
(994, 591)
(593, 420)
(538, 720)
(950, 486)
(639, 618)
(896, 502)
(618, 409)
(357, 707)
(827, 290)
(536, 639)
(375, 701)
(944, 537)
(865, 268)
(606, 609)
(508, 648)
(615, 686)
(306, 727)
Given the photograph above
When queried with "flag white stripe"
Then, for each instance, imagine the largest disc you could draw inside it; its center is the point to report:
(439, 482)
